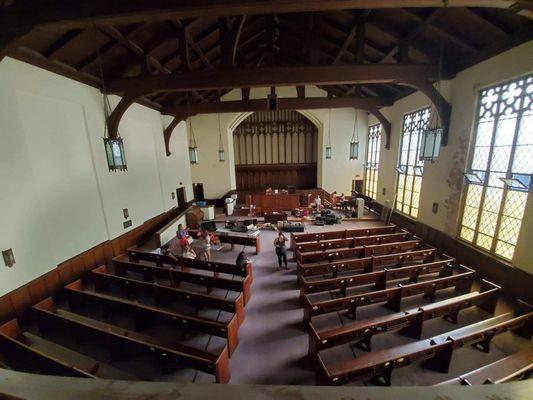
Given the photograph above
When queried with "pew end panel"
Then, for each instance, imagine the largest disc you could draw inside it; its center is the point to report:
(222, 371)
(247, 289)
(465, 285)
(524, 308)
(11, 329)
(490, 303)
(232, 334)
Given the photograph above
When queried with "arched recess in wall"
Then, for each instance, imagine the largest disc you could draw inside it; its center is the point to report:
(275, 149)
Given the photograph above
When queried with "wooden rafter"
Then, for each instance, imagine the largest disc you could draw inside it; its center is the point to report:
(87, 12)
(411, 36)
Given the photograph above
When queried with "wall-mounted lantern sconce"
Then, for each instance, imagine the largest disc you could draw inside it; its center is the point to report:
(126, 213)
(9, 257)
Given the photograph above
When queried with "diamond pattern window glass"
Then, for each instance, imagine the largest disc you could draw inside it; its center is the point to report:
(502, 159)
(410, 179)
(372, 160)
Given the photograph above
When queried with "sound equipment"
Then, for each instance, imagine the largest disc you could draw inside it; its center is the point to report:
(209, 226)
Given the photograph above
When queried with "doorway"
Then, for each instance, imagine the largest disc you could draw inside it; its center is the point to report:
(181, 198)
(198, 191)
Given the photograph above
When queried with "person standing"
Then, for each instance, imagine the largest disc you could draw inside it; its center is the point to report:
(318, 203)
(188, 252)
(281, 250)
(206, 245)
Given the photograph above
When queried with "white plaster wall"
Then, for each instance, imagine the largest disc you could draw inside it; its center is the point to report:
(57, 197)
(335, 174)
(443, 181)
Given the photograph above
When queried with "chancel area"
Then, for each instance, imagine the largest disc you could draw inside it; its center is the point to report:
(288, 199)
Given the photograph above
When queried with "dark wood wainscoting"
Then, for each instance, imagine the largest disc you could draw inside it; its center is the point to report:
(262, 176)
(16, 304)
(515, 282)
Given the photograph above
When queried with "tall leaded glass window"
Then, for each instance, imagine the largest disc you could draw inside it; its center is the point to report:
(372, 160)
(410, 168)
(499, 175)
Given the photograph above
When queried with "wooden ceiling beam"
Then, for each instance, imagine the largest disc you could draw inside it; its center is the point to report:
(277, 76)
(197, 49)
(105, 49)
(418, 30)
(182, 112)
(459, 41)
(65, 39)
(87, 12)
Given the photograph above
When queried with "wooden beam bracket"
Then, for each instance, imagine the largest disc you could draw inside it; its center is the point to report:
(113, 120)
(167, 133)
(439, 102)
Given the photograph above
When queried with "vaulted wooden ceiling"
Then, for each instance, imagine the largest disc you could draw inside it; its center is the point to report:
(116, 49)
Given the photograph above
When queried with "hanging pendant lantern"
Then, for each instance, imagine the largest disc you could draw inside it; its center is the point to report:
(221, 152)
(431, 142)
(116, 158)
(114, 146)
(354, 142)
(432, 136)
(328, 145)
(193, 149)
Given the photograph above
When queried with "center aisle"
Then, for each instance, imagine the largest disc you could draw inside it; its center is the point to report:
(272, 340)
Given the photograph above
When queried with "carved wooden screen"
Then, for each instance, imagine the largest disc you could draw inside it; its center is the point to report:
(500, 168)
(275, 149)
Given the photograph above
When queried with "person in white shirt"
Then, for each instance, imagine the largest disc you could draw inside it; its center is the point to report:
(318, 203)
(188, 252)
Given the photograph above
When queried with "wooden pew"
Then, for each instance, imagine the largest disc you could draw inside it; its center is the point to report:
(391, 296)
(410, 322)
(297, 238)
(121, 342)
(235, 240)
(368, 264)
(123, 265)
(159, 260)
(322, 268)
(15, 349)
(358, 252)
(378, 278)
(517, 366)
(352, 242)
(162, 294)
(330, 255)
(144, 314)
(426, 254)
(438, 349)
(394, 247)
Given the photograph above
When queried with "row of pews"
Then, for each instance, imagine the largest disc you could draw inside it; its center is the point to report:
(343, 273)
(177, 316)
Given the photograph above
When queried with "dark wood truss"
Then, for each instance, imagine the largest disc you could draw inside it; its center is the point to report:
(180, 57)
